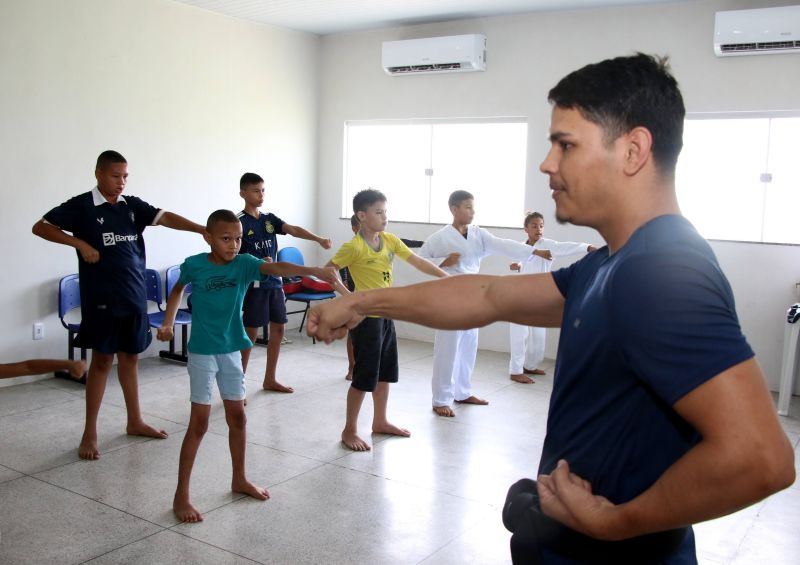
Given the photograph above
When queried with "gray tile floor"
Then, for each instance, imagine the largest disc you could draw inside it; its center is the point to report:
(433, 498)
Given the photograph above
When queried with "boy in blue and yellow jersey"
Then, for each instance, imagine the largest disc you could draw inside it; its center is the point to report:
(264, 303)
(369, 257)
(219, 280)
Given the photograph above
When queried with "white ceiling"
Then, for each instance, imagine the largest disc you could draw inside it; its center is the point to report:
(336, 16)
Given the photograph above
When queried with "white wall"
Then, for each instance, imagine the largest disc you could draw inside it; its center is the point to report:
(527, 55)
(192, 99)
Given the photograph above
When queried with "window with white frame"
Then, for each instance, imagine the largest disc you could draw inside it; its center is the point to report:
(738, 178)
(417, 164)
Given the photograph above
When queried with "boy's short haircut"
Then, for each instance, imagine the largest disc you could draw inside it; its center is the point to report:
(530, 216)
(366, 198)
(628, 92)
(354, 223)
(108, 157)
(220, 216)
(249, 179)
(458, 197)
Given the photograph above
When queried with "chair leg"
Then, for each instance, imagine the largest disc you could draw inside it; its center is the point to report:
(184, 342)
(71, 356)
(264, 340)
(180, 356)
(305, 313)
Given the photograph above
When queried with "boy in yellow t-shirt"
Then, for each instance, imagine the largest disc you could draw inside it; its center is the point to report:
(369, 257)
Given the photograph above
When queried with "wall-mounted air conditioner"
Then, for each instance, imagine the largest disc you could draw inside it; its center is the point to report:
(757, 32)
(452, 54)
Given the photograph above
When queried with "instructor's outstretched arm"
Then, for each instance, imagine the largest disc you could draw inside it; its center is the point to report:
(451, 303)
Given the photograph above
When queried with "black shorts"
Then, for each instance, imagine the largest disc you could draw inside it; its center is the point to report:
(106, 332)
(375, 350)
(262, 305)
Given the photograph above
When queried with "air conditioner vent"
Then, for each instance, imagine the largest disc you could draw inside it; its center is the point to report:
(767, 46)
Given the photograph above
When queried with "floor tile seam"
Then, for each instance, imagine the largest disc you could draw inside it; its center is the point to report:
(302, 473)
(464, 532)
(750, 527)
(123, 546)
(50, 384)
(408, 483)
(414, 358)
(204, 542)
(106, 504)
(278, 449)
(44, 407)
(105, 451)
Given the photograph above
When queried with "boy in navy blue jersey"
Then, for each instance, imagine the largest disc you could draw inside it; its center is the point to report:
(106, 230)
(219, 280)
(264, 303)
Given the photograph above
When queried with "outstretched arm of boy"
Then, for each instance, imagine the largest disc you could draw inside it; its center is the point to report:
(42, 366)
(167, 331)
(425, 266)
(176, 222)
(284, 269)
(53, 233)
(302, 233)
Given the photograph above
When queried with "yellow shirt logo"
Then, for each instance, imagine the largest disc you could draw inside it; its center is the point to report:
(270, 228)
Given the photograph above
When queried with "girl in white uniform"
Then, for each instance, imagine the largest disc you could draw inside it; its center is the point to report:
(527, 343)
(458, 249)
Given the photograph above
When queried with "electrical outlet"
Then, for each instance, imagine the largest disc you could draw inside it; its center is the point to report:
(38, 330)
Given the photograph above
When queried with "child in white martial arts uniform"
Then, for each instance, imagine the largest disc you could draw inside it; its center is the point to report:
(527, 343)
(454, 351)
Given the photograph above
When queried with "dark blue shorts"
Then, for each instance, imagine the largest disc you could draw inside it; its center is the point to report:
(375, 350)
(262, 305)
(106, 332)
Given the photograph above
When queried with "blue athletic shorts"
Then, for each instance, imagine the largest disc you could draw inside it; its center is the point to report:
(226, 368)
(108, 333)
(262, 305)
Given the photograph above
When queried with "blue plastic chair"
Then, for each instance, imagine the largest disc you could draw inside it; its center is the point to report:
(183, 317)
(294, 255)
(69, 298)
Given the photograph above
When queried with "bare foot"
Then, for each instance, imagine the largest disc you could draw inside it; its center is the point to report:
(246, 487)
(444, 411)
(390, 429)
(533, 371)
(473, 400)
(351, 440)
(142, 429)
(276, 386)
(185, 510)
(524, 379)
(88, 448)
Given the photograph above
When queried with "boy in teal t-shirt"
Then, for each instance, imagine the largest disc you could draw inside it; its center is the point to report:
(219, 280)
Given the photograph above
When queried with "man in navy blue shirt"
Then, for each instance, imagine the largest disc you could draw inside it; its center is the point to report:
(106, 230)
(660, 416)
(264, 303)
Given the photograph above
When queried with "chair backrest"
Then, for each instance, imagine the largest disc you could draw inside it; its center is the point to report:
(291, 255)
(69, 296)
(152, 282)
(173, 274)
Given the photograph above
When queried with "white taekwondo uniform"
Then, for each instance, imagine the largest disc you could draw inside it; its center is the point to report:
(454, 351)
(527, 343)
